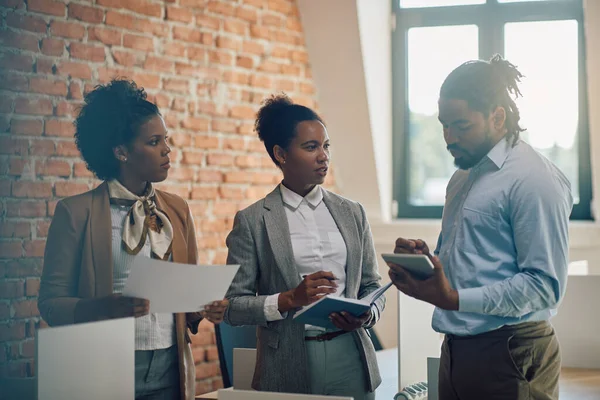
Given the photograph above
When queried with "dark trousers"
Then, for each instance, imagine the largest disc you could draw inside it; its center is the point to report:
(157, 374)
(520, 362)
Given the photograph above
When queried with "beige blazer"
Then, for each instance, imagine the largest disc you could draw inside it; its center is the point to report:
(78, 263)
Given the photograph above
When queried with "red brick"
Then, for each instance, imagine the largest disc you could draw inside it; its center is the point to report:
(261, 4)
(53, 168)
(51, 207)
(127, 59)
(47, 86)
(237, 177)
(53, 47)
(247, 14)
(19, 40)
(221, 57)
(236, 77)
(209, 176)
(224, 126)
(33, 106)
(176, 85)
(86, 13)
(26, 309)
(59, 128)
(175, 50)
(261, 32)
(19, 166)
(236, 27)
(16, 62)
(281, 6)
(12, 289)
(147, 81)
(269, 67)
(50, 7)
(293, 70)
(14, 4)
(6, 104)
(193, 3)
(180, 14)
(206, 142)
(4, 315)
(106, 36)
(32, 286)
(225, 42)
(272, 20)
(181, 174)
(219, 159)
(204, 193)
(65, 189)
(31, 127)
(285, 85)
(4, 189)
(138, 42)
(9, 145)
(232, 193)
(10, 229)
(247, 161)
(119, 19)
(44, 66)
(196, 54)
(192, 157)
(242, 112)
(187, 34)
(72, 30)
(222, 8)
(13, 82)
(234, 143)
(244, 62)
(26, 22)
(10, 250)
(81, 171)
(282, 37)
(87, 52)
(28, 349)
(42, 229)
(153, 28)
(294, 24)
(42, 148)
(12, 331)
(158, 64)
(75, 91)
(137, 6)
(32, 189)
(74, 70)
(196, 124)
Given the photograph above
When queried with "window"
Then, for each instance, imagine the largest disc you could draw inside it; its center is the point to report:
(544, 38)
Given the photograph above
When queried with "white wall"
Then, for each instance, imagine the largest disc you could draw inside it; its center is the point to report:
(349, 45)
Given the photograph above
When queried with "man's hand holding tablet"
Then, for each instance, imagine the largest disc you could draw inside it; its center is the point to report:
(421, 277)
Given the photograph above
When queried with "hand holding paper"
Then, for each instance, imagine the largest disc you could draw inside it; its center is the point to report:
(174, 288)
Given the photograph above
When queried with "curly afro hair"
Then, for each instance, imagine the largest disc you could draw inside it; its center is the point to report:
(277, 119)
(111, 116)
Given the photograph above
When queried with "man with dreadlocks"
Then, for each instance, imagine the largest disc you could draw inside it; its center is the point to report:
(501, 258)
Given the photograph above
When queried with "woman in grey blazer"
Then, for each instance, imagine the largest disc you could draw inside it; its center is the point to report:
(295, 245)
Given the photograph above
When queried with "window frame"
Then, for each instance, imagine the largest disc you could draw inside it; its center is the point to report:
(490, 19)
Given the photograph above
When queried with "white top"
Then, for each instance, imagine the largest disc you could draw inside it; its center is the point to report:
(317, 243)
(152, 331)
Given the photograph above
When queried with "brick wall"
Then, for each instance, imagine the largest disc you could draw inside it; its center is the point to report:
(207, 64)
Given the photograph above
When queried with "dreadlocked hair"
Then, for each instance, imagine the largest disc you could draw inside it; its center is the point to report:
(485, 85)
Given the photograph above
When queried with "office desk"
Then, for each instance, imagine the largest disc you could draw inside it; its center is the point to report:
(388, 367)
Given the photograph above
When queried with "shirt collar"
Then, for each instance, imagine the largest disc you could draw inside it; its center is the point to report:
(499, 153)
(293, 199)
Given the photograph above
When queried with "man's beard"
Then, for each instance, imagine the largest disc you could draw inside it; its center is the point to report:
(470, 159)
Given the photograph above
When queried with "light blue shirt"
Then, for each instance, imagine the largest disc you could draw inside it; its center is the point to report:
(504, 241)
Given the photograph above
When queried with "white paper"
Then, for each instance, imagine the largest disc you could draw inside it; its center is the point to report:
(174, 288)
(93, 361)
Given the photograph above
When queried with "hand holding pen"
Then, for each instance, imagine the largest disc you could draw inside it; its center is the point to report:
(311, 289)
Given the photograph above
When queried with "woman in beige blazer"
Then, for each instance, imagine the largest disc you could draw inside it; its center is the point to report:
(94, 237)
(297, 244)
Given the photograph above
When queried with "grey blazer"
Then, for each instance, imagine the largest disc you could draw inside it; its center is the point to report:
(260, 242)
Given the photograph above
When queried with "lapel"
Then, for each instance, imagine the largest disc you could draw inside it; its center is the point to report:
(346, 223)
(278, 232)
(179, 244)
(101, 240)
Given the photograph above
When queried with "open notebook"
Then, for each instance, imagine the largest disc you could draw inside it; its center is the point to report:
(317, 313)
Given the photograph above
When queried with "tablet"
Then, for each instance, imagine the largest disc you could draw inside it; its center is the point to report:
(419, 265)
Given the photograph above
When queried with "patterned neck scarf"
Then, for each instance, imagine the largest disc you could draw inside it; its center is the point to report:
(143, 220)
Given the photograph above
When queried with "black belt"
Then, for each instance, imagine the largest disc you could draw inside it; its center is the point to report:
(325, 336)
